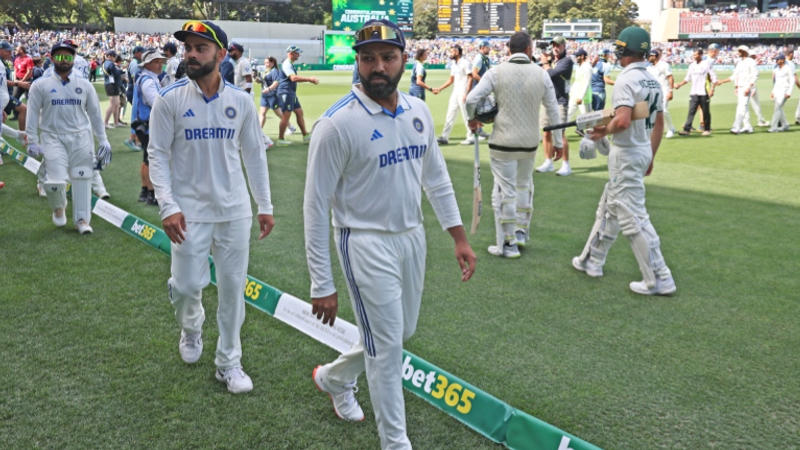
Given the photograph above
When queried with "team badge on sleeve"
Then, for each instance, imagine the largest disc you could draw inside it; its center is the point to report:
(418, 125)
(230, 113)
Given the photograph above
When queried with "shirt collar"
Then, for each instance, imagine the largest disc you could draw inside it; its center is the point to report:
(636, 65)
(520, 56)
(213, 97)
(372, 107)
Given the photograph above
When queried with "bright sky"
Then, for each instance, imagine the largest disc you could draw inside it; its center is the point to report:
(648, 9)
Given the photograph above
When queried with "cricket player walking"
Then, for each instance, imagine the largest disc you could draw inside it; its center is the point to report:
(371, 155)
(635, 142)
(661, 70)
(521, 88)
(63, 110)
(197, 127)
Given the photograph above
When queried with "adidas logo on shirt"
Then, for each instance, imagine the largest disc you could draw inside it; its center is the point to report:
(375, 135)
(188, 113)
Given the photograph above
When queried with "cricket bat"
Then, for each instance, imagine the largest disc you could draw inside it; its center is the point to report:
(477, 197)
(584, 121)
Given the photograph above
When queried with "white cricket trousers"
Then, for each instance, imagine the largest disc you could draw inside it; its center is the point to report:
(63, 152)
(741, 121)
(512, 196)
(229, 243)
(455, 105)
(575, 108)
(385, 273)
(779, 120)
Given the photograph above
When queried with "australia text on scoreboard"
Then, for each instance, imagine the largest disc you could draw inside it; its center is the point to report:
(350, 15)
(482, 17)
(572, 29)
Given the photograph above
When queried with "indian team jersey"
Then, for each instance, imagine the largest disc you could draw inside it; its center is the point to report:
(80, 67)
(636, 84)
(369, 166)
(661, 71)
(460, 71)
(195, 158)
(240, 71)
(59, 107)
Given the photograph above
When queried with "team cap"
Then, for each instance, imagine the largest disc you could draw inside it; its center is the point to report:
(62, 45)
(294, 49)
(204, 29)
(380, 31)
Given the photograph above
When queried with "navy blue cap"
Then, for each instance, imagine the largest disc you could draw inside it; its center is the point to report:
(205, 29)
(138, 48)
(380, 31)
(780, 56)
(235, 45)
(580, 52)
(4, 45)
(484, 43)
(61, 45)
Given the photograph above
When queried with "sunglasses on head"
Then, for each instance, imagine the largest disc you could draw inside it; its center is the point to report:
(63, 58)
(381, 32)
(199, 27)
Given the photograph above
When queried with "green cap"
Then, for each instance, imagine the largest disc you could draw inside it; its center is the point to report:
(633, 39)
(559, 40)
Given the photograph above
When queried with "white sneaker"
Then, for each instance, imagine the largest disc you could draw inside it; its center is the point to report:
(763, 123)
(344, 400)
(290, 130)
(82, 226)
(234, 377)
(706, 133)
(662, 287)
(565, 170)
(60, 221)
(747, 130)
(588, 267)
(468, 141)
(547, 166)
(481, 138)
(670, 134)
(190, 347)
(522, 238)
(510, 251)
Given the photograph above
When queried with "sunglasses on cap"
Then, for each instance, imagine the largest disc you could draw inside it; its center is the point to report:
(381, 32)
(199, 27)
(63, 58)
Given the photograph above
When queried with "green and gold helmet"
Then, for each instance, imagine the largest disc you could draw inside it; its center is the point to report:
(632, 40)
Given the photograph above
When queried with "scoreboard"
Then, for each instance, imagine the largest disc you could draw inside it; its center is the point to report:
(477, 17)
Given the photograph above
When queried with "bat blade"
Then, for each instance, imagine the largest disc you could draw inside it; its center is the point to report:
(595, 118)
(477, 196)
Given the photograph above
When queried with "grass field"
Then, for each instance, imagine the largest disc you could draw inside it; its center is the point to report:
(89, 338)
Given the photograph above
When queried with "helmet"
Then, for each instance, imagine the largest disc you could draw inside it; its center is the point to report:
(633, 40)
(486, 109)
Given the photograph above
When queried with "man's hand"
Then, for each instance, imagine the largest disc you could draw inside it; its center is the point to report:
(598, 132)
(314, 80)
(649, 169)
(558, 152)
(435, 91)
(669, 95)
(325, 308)
(266, 222)
(34, 150)
(579, 101)
(175, 227)
(466, 259)
(474, 124)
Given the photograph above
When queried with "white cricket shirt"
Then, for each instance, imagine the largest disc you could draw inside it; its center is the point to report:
(195, 162)
(661, 71)
(580, 86)
(783, 79)
(696, 75)
(369, 166)
(63, 107)
(636, 84)
(745, 74)
(240, 70)
(460, 71)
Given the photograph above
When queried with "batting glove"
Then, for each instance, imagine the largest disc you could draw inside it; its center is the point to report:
(603, 146)
(588, 148)
(103, 155)
(34, 150)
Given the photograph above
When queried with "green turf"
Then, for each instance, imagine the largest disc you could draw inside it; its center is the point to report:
(89, 339)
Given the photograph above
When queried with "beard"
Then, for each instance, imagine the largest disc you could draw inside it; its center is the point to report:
(381, 90)
(62, 68)
(201, 70)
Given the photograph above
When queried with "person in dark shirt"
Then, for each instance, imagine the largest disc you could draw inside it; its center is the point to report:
(226, 69)
(560, 71)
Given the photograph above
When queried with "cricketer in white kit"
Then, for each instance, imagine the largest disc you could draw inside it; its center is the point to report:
(635, 142)
(459, 77)
(63, 111)
(197, 127)
(662, 72)
(371, 155)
